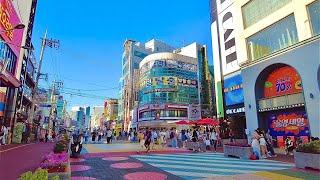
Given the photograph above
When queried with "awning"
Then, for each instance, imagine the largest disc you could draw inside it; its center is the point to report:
(8, 79)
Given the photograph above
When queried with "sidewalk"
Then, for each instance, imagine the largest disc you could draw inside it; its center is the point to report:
(17, 159)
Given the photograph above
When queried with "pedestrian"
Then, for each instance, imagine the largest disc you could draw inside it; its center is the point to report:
(173, 137)
(214, 139)
(289, 146)
(109, 136)
(86, 136)
(263, 144)
(231, 136)
(2, 131)
(147, 142)
(53, 136)
(269, 141)
(93, 138)
(256, 145)
(207, 142)
(99, 135)
(46, 137)
(196, 146)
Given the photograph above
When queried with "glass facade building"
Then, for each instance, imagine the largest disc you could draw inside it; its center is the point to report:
(256, 10)
(167, 81)
(314, 15)
(273, 38)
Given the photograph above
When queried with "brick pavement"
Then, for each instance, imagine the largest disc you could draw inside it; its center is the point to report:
(19, 159)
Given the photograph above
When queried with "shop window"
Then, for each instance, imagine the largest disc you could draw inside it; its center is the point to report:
(255, 10)
(314, 15)
(275, 37)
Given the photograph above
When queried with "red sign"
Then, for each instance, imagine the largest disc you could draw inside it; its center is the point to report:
(293, 123)
(282, 81)
(8, 20)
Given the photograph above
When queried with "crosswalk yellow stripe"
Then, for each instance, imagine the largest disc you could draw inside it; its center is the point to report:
(275, 176)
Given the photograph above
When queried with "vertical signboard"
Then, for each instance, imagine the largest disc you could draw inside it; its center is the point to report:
(226, 25)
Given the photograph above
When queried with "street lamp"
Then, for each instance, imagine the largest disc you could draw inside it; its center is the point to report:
(18, 26)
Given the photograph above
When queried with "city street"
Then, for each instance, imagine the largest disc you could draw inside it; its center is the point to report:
(115, 161)
(160, 90)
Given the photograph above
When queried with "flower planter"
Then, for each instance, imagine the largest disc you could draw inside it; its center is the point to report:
(237, 151)
(66, 175)
(307, 160)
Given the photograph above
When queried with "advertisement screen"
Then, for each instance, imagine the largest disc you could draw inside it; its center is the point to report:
(233, 91)
(9, 19)
(282, 81)
(291, 123)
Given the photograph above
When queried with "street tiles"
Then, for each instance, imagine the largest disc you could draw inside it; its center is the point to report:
(204, 165)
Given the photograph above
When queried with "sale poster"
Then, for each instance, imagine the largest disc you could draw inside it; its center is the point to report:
(292, 123)
(282, 81)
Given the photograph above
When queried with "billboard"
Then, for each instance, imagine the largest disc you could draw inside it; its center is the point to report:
(169, 81)
(226, 32)
(9, 19)
(290, 123)
(233, 90)
(282, 81)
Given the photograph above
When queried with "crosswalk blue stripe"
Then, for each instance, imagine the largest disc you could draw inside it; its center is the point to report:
(216, 160)
(225, 167)
(208, 155)
(222, 159)
(197, 169)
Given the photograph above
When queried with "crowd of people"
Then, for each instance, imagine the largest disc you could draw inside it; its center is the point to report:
(159, 138)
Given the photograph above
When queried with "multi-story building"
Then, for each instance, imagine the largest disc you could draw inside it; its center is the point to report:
(168, 89)
(79, 116)
(15, 55)
(111, 109)
(205, 86)
(268, 56)
(97, 118)
(133, 54)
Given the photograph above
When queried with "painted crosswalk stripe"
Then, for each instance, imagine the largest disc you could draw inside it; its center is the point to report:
(230, 165)
(211, 170)
(202, 165)
(225, 160)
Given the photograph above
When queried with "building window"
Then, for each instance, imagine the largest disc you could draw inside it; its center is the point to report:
(275, 37)
(7, 54)
(314, 11)
(255, 10)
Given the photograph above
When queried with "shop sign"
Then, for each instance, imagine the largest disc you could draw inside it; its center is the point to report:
(8, 20)
(289, 124)
(235, 110)
(194, 112)
(176, 106)
(233, 90)
(168, 81)
(160, 90)
(174, 64)
(282, 81)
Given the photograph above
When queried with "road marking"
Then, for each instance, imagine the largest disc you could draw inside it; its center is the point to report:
(15, 147)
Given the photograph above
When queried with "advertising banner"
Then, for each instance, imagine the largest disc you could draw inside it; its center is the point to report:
(292, 123)
(282, 81)
(8, 20)
(233, 90)
(175, 64)
(226, 24)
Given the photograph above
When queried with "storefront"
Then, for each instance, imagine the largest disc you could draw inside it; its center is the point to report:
(281, 104)
(281, 93)
(234, 106)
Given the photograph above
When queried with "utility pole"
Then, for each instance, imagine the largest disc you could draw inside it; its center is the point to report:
(45, 42)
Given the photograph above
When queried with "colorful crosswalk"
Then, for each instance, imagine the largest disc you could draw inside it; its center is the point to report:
(204, 165)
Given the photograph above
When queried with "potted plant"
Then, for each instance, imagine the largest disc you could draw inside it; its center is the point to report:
(240, 150)
(308, 155)
(57, 164)
(39, 174)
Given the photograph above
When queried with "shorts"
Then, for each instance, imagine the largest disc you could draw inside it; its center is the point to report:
(142, 141)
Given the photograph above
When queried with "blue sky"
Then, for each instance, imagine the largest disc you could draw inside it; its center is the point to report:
(92, 34)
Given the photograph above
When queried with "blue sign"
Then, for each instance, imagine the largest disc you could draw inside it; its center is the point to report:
(233, 90)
